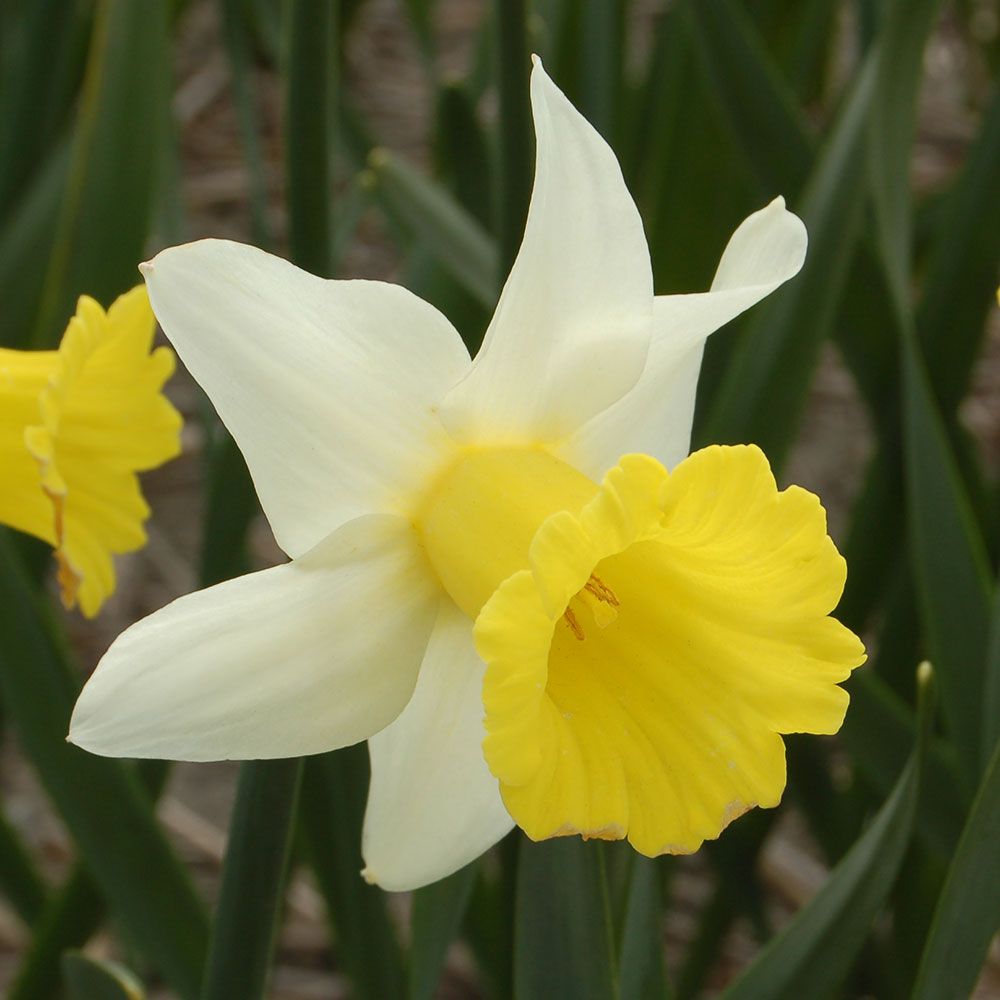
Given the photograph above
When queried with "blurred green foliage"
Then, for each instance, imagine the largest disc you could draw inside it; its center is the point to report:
(713, 107)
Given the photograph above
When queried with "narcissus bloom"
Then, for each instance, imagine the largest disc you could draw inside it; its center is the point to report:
(494, 577)
(76, 425)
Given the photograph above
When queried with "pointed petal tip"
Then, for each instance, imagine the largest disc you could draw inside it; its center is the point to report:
(369, 876)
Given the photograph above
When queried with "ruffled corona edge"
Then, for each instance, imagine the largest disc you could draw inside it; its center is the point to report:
(103, 419)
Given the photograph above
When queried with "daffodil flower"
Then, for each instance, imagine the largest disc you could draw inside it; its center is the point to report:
(494, 578)
(76, 425)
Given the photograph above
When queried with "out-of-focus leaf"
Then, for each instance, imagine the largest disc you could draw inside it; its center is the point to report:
(437, 914)
(461, 244)
(515, 132)
(768, 376)
(642, 975)
(253, 879)
(968, 910)
(37, 89)
(771, 129)
(601, 52)
(100, 800)
(310, 76)
(20, 883)
(461, 154)
(878, 731)
(72, 913)
(70, 918)
(238, 37)
(820, 943)
(563, 945)
(692, 185)
(26, 240)
(121, 129)
(991, 686)
(230, 506)
(950, 566)
(899, 60)
(331, 809)
(961, 274)
(98, 979)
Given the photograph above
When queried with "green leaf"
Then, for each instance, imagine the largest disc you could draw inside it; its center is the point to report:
(766, 382)
(437, 914)
(642, 975)
(462, 154)
(820, 943)
(237, 33)
(961, 276)
(516, 135)
(309, 111)
(906, 25)
(121, 129)
(253, 880)
(96, 979)
(771, 129)
(26, 240)
(968, 911)
(427, 210)
(563, 944)
(72, 914)
(332, 806)
(949, 562)
(38, 89)
(20, 882)
(879, 730)
(230, 507)
(100, 800)
(991, 684)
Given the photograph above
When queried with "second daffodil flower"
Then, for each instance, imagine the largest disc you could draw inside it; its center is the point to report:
(494, 577)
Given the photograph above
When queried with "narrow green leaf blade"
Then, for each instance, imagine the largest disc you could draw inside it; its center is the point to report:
(563, 947)
(20, 882)
(427, 210)
(968, 911)
(437, 914)
(820, 943)
(642, 975)
(100, 800)
(109, 199)
(310, 78)
(332, 808)
(96, 979)
(253, 880)
(771, 129)
(949, 563)
(766, 382)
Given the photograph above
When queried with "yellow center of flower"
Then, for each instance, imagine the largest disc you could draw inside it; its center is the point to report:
(646, 640)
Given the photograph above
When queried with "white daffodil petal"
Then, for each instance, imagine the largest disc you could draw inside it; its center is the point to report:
(328, 387)
(316, 654)
(572, 327)
(433, 805)
(655, 417)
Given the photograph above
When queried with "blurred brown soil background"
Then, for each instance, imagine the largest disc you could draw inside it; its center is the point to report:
(386, 79)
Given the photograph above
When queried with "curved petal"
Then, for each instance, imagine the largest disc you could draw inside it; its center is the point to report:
(313, 655)
(572, 327)
(328, 387)
(655, 418)
(433, 805)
